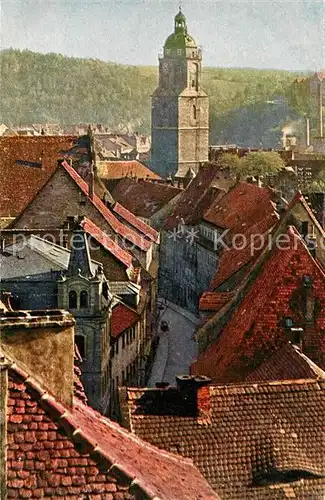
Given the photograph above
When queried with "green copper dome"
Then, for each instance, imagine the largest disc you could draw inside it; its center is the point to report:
(180, 39)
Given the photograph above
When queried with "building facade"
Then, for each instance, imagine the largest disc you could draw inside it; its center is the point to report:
(180, 107)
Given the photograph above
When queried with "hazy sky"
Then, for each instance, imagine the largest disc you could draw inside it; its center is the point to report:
(247, 33)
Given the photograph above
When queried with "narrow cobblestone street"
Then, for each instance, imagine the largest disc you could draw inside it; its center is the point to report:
(177, 348)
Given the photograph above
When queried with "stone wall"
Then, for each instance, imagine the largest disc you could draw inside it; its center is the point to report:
(186, 269)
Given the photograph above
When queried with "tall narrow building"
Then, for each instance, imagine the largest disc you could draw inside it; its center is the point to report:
(180, 107)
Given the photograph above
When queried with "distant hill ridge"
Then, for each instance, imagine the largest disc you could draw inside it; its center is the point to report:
(51, 88)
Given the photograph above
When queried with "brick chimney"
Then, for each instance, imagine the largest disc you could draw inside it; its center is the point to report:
(194, 392)
(42, 344)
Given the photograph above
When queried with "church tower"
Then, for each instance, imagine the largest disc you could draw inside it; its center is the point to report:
(180, 107)
(84, 290)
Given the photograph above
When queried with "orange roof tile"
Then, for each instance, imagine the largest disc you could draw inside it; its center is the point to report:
(122, 318)
(27, 162)
(144, 198)
(107, 242)
(251, 328)
(120, 169)
(137, 223)
(213, 301)
(115, 224)
(77, 452)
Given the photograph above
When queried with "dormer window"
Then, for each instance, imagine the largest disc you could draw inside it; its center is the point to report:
(83, 299)
(72, 299)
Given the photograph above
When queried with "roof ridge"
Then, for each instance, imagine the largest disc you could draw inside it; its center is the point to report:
(64, 418)
(110, 218)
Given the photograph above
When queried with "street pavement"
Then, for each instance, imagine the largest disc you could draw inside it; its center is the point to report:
(177, 348)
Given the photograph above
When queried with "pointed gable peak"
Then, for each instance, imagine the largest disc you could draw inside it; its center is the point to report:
(80, 262)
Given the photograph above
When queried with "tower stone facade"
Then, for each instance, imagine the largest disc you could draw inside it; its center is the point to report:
(180, 107)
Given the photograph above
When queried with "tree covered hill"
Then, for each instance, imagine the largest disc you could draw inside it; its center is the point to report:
(247, 106)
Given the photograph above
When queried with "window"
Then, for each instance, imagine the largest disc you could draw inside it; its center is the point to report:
(194, 112)
(123, 340)
(72, 300)
(123, 377)
(80, 342)
(179, 52)
(83, 299)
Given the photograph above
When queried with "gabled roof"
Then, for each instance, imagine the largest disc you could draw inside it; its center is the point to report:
(123, 317)
(76, 451)
(256, 326)
(196, 198)
(120, 169)
(110, 218)
(107, 242)
(137, 223)
(144, 198)
(257, 441)
(286, 363)
(27, 162)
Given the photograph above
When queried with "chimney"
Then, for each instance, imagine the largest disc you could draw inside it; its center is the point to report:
(190, 388)
(42, 344)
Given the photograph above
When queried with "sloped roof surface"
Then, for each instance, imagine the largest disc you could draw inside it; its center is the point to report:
(23, 259)
(251, 438)
(27, 162)
(107, 242)
(123, 317)
(256, 326)
(117, 226)
(43, 458)
(137, 223)
(196, 198)
(120, 169)
(143, 198)
(286, 363)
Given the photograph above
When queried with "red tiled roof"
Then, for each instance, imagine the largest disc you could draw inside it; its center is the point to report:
(242, 204)
(119, 253)
(255, 328)
(115, 224)
(122, 318)
(233, 259)
(253, 441)
(141, 226)
(286, 363)
(196, 199)
(120, 169)
(20, 156)
(144, 198)
(213, 301)
(57, 451)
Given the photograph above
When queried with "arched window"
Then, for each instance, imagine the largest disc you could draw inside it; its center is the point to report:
(72, 300)
(194, 111)
(80, 342)
(83, 299)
